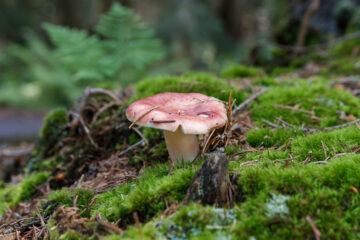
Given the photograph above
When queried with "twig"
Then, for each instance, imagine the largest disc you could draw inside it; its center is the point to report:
(271, 124)
(140, 134)
(163, 121)
(320, 162)
(290, 159)
(142, 115)
(90, 91)
(102, 110)
(207, 141)
(295, 109)
(244, 104)
(285, 123)
(137, 223)
(323, 147)
(75, 201)
(113, 157)
(249, 163)
(342, 125)
(241, 152)
(305, 129)
(307, 159)
(86, 129)
(316, 231)
(131, 147)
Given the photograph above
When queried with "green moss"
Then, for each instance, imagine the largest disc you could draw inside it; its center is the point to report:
(53, 122)
(27, 186)
(326, 102)
(205, 83)
(338, 141)
(268, 137)
(65, 197)
(69, 235)
(189, 222)
(265, 81)
(281, 71)
(147, 195)
(239, 71)
(317, 191)
(151, 133)
(50, 132)
(344, 48)
(342, 66)
(13, 194)
(277, 202)
(47, 164)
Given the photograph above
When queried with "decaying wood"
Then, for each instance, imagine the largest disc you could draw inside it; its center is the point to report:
(211, 184)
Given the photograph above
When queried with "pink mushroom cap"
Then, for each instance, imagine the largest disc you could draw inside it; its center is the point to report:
(195, 113)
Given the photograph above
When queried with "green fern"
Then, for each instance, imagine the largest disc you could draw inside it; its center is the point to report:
(120, 51)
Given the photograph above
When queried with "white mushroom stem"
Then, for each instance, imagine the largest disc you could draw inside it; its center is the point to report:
(181, 147)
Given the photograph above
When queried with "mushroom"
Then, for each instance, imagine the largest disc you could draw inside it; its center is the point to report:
(181, 116)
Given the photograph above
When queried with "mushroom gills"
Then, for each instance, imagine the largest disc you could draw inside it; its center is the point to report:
(181, 147)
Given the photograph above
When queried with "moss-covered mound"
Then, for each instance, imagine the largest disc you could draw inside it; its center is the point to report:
(205, 83)
(294, 169)
(314, 104)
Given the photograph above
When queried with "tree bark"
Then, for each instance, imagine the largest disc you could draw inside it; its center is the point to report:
(211, 184)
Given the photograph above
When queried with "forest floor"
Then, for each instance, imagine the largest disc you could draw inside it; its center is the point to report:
(292, 152)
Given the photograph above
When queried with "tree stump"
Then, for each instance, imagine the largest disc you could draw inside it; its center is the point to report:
(211, 184)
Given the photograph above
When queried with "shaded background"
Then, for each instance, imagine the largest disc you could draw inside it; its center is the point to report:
(205, 35)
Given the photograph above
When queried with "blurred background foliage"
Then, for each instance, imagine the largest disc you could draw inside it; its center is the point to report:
(51, 49)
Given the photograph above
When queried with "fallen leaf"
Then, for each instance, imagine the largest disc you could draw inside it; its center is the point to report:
(351, 118)
(353, 189)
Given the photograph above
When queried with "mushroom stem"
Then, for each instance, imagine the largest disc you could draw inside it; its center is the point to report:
(181, 146)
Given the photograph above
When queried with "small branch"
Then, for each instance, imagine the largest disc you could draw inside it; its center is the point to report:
(249, 163)
(137, 224)
(271, 124)
(131, 147)
(163, 121)
(320, 162)
(296, 108)
(86, 129)
(244, 104)
(308, 159)
(290, 159)
(342, 125)
(92, 91)
(142, 115)
(102, 110)
(205, 147)
(113, 157)
(316, 231)
(323, 147)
